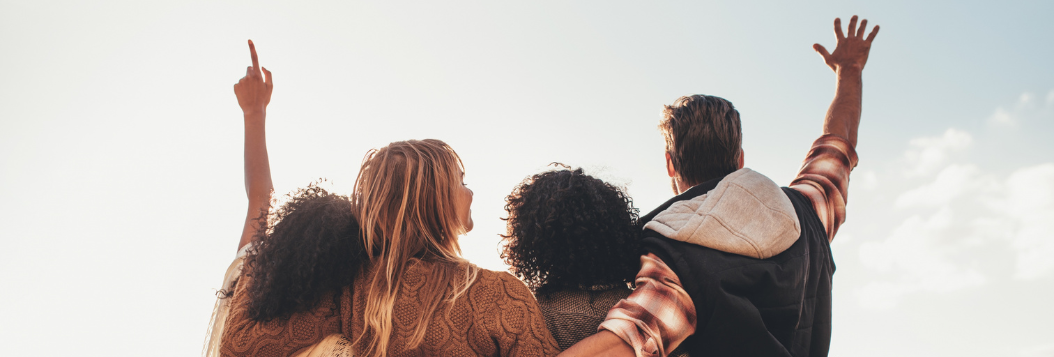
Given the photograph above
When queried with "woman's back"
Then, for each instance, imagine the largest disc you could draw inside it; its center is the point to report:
(244, 336)
(497, 316)
(573, 239)
(410, 200)
(574, 314)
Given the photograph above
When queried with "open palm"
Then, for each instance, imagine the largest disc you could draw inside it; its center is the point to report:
(850, 51)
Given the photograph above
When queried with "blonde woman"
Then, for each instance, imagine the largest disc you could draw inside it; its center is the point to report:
(403, 288)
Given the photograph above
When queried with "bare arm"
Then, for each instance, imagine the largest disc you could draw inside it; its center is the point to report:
(824, 175)
(603, 343)
(847, 61)
(254, 93)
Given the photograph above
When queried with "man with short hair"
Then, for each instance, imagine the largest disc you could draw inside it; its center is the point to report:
(735, 264)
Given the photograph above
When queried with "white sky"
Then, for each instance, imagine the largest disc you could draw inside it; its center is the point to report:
(120, 144)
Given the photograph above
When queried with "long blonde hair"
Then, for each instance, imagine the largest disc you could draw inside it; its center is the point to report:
(406, 196)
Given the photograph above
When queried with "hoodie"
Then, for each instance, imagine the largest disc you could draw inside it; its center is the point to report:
(745, 214)
(755, 260)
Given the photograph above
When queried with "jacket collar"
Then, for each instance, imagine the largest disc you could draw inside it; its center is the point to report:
(693, 192)
(743, 213)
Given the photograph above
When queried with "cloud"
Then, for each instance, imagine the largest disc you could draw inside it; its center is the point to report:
(866, 180)
(1024, 109)
(1002, 117)
(882, 294)
(1029, 205)
(919, 252)
(926, 154)
(952, 182)
(928, 252)
(949, 224)
(1025, 99)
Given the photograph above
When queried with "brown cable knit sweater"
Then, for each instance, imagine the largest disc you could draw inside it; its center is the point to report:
(498, 316)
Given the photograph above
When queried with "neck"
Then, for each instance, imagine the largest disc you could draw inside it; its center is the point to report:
(680, 187)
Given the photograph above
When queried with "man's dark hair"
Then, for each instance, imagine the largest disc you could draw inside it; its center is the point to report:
(312, 246)
(568, 230)
(703, 136)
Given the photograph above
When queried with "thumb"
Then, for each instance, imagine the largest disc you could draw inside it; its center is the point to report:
(822, 51)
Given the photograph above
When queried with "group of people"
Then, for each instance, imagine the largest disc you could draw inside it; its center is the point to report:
(732, 265)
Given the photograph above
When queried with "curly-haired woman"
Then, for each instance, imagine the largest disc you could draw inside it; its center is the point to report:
(572, 238)
(381, 273)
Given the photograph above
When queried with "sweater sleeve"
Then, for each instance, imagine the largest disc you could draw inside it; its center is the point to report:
(520, 329)
(244, 336)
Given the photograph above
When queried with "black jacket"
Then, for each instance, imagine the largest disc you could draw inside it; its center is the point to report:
(780, 306)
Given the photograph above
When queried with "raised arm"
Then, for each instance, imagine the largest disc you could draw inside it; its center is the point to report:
(847, 61)
(254, 93)
(824, 175)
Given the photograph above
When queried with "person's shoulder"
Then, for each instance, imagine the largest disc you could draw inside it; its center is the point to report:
(507, 310)
(500, 287)
(493, 278)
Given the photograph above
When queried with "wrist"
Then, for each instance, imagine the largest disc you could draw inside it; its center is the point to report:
(256, 113)
(849, 71)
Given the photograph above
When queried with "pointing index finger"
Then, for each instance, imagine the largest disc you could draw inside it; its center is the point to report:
(256, 61)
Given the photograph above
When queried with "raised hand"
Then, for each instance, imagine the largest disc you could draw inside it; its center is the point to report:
(254, 90)
(851, 51)
(254, 93)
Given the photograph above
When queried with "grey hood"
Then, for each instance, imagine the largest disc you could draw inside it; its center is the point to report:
(746, 214)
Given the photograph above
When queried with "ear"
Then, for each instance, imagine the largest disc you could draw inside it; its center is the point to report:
(742, 158)
(669, 165)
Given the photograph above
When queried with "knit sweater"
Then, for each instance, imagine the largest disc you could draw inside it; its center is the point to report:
(574, 314)
(497, 316)
(243, 336)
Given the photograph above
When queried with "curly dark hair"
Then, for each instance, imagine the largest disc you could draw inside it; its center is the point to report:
(567, 229)
(312, 246)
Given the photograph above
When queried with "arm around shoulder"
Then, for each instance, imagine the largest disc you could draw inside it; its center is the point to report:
(603, 343)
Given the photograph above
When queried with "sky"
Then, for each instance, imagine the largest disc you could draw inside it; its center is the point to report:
(121, 144)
